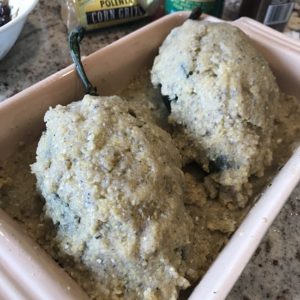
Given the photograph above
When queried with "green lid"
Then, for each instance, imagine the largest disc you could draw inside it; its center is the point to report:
(212, 7)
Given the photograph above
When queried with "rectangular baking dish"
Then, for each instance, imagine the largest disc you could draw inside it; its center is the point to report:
(26, 271)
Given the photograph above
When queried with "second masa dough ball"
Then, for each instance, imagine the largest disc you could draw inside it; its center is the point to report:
(223, 98)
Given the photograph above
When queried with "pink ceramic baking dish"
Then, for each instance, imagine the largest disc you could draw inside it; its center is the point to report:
(26, 271)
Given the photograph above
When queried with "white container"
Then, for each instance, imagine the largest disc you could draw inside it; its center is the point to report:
(111, 69)
(11, 31)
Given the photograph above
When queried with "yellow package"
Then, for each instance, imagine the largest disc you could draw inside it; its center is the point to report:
(94, 14)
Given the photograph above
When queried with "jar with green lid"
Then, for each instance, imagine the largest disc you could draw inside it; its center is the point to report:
(210, 7)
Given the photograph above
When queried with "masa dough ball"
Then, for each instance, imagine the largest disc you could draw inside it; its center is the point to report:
(223, 98)
(113, 186)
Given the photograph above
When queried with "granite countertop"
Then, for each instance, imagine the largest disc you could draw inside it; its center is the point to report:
(41, 50)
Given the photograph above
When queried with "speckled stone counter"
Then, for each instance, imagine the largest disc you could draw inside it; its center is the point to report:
(41, 50)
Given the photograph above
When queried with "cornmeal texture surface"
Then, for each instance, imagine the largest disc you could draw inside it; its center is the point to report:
(223, 99)
(113, 187)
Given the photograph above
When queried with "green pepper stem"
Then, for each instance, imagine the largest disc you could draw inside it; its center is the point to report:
(196, 13)
(75, 37)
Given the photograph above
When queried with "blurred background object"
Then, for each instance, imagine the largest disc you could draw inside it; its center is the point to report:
(94, 14)
(210, 7)
(283, 16)
(293, 27)
(13, 15)
(273, 13)
(231, 9)
(5, 16)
